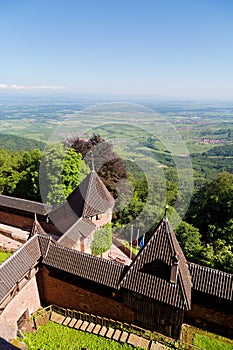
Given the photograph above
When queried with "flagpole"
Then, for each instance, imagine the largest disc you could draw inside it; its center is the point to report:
(131, 239)
(137, 240)
(137, 236)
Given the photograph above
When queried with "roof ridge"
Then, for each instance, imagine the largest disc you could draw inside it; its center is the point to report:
(78, 252)
(170, 237)
(88, 191)
(159, 251)
(67, 231)
(209, 268)
(134, 261)
(18, 251)
(182, 260)
(98, 198)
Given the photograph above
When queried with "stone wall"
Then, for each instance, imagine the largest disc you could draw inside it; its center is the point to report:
(210, 319)
(75, 297)
(102, 219)
(20, 221)
(26, 300)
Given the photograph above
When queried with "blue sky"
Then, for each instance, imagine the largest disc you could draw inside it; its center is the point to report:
(165, 48)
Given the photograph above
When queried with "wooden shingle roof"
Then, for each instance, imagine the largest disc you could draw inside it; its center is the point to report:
(150, 272)
(98, 199)
(84, 265)
(63, 217)
(212, 282)
(16, 266)
(90, 198)
(24, 205)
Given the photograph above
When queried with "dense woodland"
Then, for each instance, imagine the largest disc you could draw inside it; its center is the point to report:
(205, 233)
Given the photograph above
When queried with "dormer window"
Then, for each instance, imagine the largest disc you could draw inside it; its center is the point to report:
(174, 268)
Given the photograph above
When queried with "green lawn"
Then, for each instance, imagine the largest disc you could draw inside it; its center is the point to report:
(4, 256)
(207, 343)
(52, 336)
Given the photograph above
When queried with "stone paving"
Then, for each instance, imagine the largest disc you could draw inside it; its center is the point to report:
(17, 236)
(114, 253)
(111, 333)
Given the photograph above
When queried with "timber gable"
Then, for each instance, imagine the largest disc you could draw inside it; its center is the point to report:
(150, 273)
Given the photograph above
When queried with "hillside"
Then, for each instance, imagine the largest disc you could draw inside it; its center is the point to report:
(18, 143)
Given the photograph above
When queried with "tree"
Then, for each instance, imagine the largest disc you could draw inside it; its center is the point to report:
(207, 255)
(189, 238)
(28, 184)
(211, 211)
(223, 257)
(74, 171)
(212, 205)
(102, 240)
(9, 170)
(61, 171)
(108, 165)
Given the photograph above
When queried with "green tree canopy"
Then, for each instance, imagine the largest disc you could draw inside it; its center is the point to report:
(212, 205)
(102, 240)
(211, 211)
(28, 184)
(190, 241)
(61, 171)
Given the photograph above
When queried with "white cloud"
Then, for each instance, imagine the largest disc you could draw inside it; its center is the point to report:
(28, 87)
(3, 86)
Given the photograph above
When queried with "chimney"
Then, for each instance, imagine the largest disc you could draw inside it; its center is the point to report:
(174, 268)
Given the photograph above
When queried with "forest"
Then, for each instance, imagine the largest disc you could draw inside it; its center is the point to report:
(205, 232)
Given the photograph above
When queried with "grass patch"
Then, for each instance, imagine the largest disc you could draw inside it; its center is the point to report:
(53, 336)
(4, 256)
(207, 343)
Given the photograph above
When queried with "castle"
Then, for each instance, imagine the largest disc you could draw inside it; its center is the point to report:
(158, 290)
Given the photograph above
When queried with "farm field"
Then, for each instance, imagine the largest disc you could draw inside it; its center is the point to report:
(200, 125)
(148, 131)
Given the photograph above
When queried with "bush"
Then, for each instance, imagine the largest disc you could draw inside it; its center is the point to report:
(102, 240)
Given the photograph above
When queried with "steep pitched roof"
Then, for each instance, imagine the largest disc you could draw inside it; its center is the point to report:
(143, 276)
(150, 272)
(24, 205)
(212, 282)
(63, 217)
(91, 197)
(81, 228)
(16, 266)
(37, 229)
